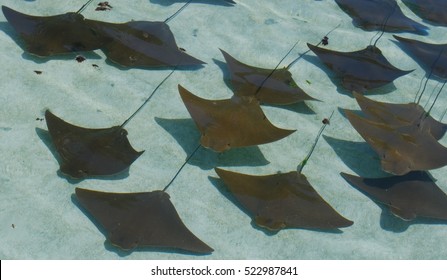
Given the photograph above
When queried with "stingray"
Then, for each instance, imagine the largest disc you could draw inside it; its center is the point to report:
(397, 115)
(371, 14)
(402, 148)
(230, 123)
(432, 57)
(434, 11)
(86, 152)
(408, 197)
(360, 70)
(147, 219)
(275, 86)
(285, 200)
(130, 44)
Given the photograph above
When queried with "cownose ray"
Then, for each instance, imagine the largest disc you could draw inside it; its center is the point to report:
(408, 197)
(147, 219)
(434, 11)
(90, 152)
(130, 44)
(432, 57)
(370, 14)
(285, 200)
(86, 152)
(401, 148)
(279, 201)
(396, 115)
(269, 86)
(230, 123)
(52, 35)
(272, 86)
(360, 70)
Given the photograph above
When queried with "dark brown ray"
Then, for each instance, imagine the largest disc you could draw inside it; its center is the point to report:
(130, 44)
(401, 148)
(230, 123)
(408, 197)
(134, 220)
(90, 152)
(282, 201)
(142, 44)
(359, 70)
(372, 15)
(434, 11)
(431, 57)
(267, 85)
(44, 36)
(397, 115)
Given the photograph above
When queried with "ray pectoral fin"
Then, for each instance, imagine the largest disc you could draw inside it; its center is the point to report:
(140, 220)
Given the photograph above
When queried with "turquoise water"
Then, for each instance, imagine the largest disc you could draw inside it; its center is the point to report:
(38, 216)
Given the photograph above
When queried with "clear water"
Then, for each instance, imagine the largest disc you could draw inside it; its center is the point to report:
(38, 216)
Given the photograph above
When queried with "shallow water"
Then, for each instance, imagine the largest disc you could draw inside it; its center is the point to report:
(38, 217)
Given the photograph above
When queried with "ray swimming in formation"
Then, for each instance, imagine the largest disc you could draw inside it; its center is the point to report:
(130, 44)
(230, 123)
(86, 152)
(361, 70)
(431, 57)
(370, 14)
(269, 86)
(146, 219)
(285, 200)
(434, 11)
(408, 197)
(403, 145)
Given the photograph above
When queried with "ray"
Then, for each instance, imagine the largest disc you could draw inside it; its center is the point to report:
(276, 86)
(408, 197)
(401, 148)
(284, 200)
(135, 220)
(370, 15)
(434, 11)
(52, 35)
(230, 123)
(361, 70)
(431, 57)
(86, 152)
(142, 44)
(281, 201)
(130, 44)
(397, 115)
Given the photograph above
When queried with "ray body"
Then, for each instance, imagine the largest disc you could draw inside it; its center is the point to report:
(408, 197)
(359, 70)
(230, 123)
(134, 220)
(52, 35)
(282, 201)
(267, 85)
(398, 115)
(88, 152)
(401, 148)
(130, 44)
(431, 10)
(432, 57)
(142, 44)
(380, 15)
